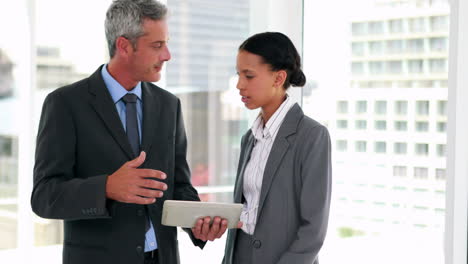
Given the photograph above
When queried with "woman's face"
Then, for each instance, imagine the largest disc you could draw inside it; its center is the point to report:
(258, 85)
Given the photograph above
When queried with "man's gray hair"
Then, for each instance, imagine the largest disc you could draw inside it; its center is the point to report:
(125, 18)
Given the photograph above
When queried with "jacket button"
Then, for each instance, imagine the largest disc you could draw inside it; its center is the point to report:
(257, 244)
(139, 249)
(140, 212)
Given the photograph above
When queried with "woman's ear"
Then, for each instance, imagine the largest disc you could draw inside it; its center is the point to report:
(280, 78)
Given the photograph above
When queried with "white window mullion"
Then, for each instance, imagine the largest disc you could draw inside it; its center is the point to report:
(457, 154)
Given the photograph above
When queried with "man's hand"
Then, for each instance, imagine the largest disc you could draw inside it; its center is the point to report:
(130, 184)
(204, 231)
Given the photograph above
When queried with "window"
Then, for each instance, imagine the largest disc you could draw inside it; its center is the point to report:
(359, 29)
(399, 171)
(394, 46)
(357, 48)
(438, 44)
(381, 107)
(441, 127)
(401, 107)
(439, 23)
(357, 68)
(421, 173)
(341, 145)
(376, 67)
(361, 107)
(380, 147)
(421, 149)
(442, 108)
(422, 108)
(415, 45)
(395, 26)
(400, 147)
(398, 57)
(441, 150)
(361, 124)
(342, 107)
(415, 66)
(401, 125)
(376, 47)
(342, 124)
(394, 67)
(361, 146)
(6, 146)
(381, 125)
(422, 126)
(376, 28)
(416, 25)
(437, 65)
(440, 174)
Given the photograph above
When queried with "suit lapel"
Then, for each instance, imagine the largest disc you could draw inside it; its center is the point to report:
(105, 108)
(151, 112)
(239, 186)
(278, 150)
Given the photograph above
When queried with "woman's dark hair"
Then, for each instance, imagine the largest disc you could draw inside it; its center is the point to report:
(277, 50)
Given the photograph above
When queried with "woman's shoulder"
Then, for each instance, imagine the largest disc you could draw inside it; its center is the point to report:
(309, 127)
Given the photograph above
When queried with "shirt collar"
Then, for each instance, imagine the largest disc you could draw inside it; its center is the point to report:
(116, 90)
(259, 131)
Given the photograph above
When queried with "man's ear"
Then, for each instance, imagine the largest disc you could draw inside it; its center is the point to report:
(123, 46)
(280, 78)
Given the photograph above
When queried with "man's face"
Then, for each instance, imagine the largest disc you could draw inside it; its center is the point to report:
(151, 51)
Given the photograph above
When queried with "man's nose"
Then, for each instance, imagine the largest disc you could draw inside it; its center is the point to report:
(166, 55)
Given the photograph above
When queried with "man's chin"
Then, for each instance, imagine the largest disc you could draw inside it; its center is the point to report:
(153, 78)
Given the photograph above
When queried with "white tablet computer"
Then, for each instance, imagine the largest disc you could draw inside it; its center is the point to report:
(186, 213)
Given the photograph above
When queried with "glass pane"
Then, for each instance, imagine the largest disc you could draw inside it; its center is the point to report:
(204, 38)
(202, 74)
(12, 60)
(390, 183)
(62, 58)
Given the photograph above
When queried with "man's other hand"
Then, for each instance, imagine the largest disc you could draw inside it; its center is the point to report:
(129, 184)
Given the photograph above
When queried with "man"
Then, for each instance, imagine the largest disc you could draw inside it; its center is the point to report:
(112, 147)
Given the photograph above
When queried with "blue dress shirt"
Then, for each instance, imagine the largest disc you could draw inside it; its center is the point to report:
(117, 91)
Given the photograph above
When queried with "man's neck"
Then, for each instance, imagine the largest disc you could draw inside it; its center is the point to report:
(119, 72)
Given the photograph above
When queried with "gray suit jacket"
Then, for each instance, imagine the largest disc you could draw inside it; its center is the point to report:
(295, 195)
(80, 142)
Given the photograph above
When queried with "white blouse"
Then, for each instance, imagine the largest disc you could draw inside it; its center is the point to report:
(253, 176)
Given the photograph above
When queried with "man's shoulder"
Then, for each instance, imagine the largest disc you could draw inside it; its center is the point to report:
(71, 90)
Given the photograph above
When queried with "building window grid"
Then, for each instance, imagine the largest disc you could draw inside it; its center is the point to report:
(400, 148)
(361, 124)
(380, 125)
(421, 149)
(342, 145)
(421, 173)
(380, 147)
(342, 107)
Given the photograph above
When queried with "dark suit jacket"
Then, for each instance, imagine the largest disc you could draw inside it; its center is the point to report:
(80, 142)
(295, 194)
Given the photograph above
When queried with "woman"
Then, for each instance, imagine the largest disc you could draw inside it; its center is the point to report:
(284, 173)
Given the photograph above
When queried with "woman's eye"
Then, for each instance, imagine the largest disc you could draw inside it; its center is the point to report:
(249, 77)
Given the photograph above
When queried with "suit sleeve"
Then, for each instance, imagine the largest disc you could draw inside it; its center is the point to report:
(314, 198)
(57, 192)
(183, 189)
